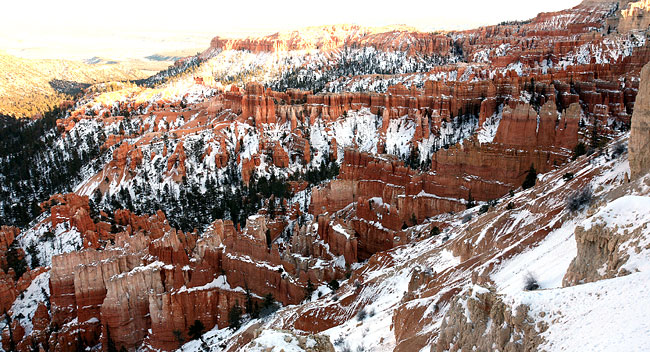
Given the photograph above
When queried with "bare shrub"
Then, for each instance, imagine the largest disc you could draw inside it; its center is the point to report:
(579, 199)
(618, 149)
(530, 282)
(361, 314)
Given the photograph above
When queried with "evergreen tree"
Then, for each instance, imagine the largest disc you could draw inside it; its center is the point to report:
(531, 178)
(196, 330)
(471, 203)
(579, 150)
(269, 300)
(16, 261)
(268, 238)
(234, 316)
(309, 289)
(179, 336)
(12, 345)
(109, 341)
(249, 300)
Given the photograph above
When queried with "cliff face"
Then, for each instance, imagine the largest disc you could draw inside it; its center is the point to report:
(388, 194)
(328, 38)
(148, 272)
(154, 281)
(640, 132)
(634, 15)
(480, 320)
(611, 244)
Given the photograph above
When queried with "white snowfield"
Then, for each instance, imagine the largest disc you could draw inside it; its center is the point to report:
(278, 341)
(606, 315)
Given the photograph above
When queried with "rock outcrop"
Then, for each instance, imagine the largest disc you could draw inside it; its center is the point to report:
(612, 243)
(633, 15)
(640, 133)
(268, 340)
(490, 324)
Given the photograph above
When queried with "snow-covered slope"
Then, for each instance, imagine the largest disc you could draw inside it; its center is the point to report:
(373, 309)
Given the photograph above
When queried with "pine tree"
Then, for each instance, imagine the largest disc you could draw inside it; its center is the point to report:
(196, 329)
(234, 316)
(109, 341)
(309, 289)
(268, 238)
(249, 300)
(579, 150)
(531, 178)
(268, 300)
(16, 261)
(471, 203)
(179, 336)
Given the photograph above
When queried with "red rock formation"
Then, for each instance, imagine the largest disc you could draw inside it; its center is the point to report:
(280, 156)
(8, 290)
(176, 163)
(75, 210)
(328, 38)
(149, 271)
(7, 236)
(15, 337)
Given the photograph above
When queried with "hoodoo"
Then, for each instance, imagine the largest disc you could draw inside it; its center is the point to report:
(335, 188)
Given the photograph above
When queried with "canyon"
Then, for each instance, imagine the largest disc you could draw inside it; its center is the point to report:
(346, 187)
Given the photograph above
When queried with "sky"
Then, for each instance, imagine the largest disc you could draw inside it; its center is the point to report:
(82, 28)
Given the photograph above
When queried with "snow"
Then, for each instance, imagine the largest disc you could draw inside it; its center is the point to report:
(624, 216)
(399, 135)
(26, 303)
(274, 341)
(547, 262)
(607, 315)
(342, 230)
(358, 129)
(489, 129)
(625, 212)
(48, 243)
(517, 67)
(219, 282)
(375, 332)
(214, 339)
(382, 296)
(549, 259)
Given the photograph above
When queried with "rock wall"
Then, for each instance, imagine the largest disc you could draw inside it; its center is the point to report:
(633, 15)
(328, 38)
(491, 325)
(614, 242)
(639, 145)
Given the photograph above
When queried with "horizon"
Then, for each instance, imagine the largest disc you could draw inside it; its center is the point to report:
(125, 30)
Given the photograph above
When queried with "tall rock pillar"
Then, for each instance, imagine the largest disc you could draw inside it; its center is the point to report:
(640, 134)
